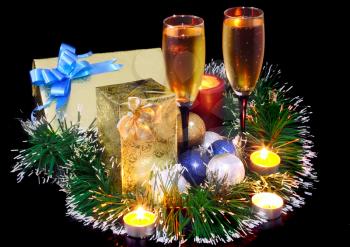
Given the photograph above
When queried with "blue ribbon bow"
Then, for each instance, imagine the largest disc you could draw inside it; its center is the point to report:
(58, 80)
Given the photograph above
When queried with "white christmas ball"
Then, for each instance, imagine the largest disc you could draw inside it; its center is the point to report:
(167, 174)
(226, 165)
(209, 138)
(164, 178)
(182, 184)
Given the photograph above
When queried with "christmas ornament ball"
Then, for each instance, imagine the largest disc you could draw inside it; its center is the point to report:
(227, 166)
(167, 174)
(209, 138)
(195, 163)
(196, 130)
(164, 178)
(182, 184)
(223, 146)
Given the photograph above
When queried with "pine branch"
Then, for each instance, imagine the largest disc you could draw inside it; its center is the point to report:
(48, 149)
(89, 193)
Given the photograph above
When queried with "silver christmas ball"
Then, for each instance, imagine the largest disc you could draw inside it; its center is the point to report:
(227, 166)
(182, 184)
(209, 138)
(165, 177)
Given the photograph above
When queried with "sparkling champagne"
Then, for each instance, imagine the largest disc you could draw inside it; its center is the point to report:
(243, 48)
(184, 56)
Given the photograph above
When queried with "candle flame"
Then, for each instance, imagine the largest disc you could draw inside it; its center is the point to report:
(263, 153)
(140, 213)
(208, 82)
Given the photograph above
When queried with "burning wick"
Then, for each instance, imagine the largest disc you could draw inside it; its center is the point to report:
(140, 213)
(263, 153)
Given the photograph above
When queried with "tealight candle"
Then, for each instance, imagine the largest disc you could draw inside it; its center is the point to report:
(209, 102)
(267, 205)
(264, 162)
(139, 223)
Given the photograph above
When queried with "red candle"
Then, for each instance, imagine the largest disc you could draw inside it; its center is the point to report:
(209, 102)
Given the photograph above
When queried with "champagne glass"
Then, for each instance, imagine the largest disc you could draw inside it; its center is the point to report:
(243, 43)
(184, 55)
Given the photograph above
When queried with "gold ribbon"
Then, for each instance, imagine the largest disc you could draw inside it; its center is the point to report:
(138, 122)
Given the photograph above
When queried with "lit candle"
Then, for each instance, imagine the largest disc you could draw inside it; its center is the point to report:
(139, 223)
(267, 205)
(209, 102)
(264, 162)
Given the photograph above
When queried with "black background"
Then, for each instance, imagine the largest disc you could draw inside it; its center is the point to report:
(35, 214)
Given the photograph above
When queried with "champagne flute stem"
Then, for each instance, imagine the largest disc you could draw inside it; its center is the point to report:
(243, 100)
(185, 113)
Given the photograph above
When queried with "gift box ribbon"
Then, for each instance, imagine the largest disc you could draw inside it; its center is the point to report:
(69, 67)
(137, 123)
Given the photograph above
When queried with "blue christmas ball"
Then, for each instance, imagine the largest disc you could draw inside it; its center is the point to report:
(196, 166)
(222, 147)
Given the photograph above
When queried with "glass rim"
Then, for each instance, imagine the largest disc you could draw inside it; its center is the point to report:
(201, 20)
(260, 11)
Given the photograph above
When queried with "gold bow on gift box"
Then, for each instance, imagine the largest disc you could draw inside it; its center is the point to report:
(137, 123)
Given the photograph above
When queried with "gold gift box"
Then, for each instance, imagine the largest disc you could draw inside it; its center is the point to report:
(134, 158)
(137, 65)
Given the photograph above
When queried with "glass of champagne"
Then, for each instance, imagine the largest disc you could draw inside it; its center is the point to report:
(243, 44)
(184, 55)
